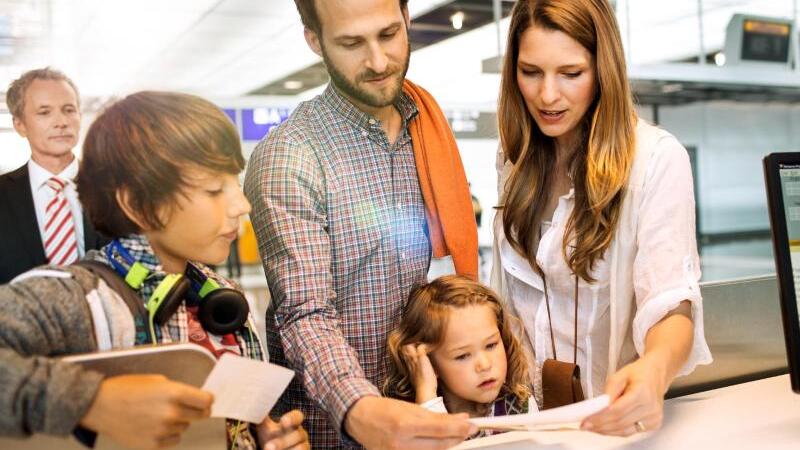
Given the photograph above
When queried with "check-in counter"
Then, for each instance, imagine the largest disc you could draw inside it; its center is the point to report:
(741, 401)
(762, 414)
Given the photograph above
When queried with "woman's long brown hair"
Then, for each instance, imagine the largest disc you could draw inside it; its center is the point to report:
(425, 322)
(602, 162)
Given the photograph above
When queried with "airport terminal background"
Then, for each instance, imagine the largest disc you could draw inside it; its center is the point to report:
(720, 75)
(249, 57)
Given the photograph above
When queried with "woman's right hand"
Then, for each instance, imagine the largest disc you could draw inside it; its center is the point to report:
(145, 411)
(422, 373)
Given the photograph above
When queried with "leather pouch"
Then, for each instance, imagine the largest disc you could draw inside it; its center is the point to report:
(561, 384)
(561, 381)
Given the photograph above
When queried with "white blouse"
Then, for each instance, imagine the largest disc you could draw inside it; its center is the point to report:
(665, 271)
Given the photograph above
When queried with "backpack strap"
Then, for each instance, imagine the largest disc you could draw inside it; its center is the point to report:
(132, 299)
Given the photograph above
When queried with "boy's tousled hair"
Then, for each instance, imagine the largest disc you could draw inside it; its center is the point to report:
(141, 145)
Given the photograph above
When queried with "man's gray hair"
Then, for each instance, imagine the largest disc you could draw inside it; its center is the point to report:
(15, 96)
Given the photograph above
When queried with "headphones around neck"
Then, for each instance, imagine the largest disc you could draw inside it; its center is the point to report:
(220, 310)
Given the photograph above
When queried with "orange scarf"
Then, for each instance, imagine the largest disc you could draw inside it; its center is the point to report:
(448, 203)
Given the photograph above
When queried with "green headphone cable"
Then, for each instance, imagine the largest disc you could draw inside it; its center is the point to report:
(152, 330)
(235, 444)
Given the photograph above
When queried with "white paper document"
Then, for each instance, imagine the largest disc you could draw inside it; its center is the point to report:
(565, 417)
(245, 389)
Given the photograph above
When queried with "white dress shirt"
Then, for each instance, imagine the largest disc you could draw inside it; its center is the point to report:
(657, 255)
(42, 194)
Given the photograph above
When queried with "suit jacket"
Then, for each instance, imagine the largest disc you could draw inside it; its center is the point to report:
(21, 245)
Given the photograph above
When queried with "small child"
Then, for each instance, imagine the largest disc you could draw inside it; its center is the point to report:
(454, 352)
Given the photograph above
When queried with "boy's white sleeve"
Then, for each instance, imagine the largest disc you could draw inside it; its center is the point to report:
(435, 405)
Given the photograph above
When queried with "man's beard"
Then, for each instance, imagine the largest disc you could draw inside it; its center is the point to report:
(351, 89)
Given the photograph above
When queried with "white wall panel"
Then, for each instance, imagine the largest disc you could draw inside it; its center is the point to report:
(731, 139)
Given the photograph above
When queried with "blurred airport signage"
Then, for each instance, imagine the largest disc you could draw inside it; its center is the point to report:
(472, 124)
(255, 123)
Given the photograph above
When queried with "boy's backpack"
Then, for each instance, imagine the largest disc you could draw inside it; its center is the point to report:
(128, 295)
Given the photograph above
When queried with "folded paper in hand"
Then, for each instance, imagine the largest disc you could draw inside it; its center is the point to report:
(245, 389)
(565, 417)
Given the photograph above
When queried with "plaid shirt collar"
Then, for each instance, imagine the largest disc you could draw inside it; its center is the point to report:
(360, 119)
(139, 248)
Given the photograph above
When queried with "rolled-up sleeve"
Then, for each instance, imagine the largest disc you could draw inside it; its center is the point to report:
(285, 184)
(667, 265)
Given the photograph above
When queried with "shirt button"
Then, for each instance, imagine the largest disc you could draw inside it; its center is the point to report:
(364, 133)
(372, 121)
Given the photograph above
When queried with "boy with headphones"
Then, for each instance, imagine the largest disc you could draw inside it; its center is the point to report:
(159, 175)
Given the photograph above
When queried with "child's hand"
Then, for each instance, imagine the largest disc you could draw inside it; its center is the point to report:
(424, 378)
(287, 433)
(146, 411)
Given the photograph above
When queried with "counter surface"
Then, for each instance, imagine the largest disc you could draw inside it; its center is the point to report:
(754, 415)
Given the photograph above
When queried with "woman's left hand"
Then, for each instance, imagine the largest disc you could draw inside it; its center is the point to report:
(287, 433)
(637, 400)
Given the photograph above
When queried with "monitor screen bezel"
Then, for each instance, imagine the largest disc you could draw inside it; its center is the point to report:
(783, 261)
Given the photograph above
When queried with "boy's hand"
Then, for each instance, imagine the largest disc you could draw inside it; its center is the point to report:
(288, 433)
(145, 411)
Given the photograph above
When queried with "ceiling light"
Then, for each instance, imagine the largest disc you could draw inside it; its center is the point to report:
(292, 85)
(719, 59)
(458, 20)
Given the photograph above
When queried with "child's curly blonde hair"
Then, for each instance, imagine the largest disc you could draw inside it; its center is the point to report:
(424, 321)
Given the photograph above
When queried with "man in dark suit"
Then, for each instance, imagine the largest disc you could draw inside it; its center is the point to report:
(41, 220)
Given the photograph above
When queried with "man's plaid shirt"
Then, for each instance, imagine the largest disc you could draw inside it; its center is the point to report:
(341, 229)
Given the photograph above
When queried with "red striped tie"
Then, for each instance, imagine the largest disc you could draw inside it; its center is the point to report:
(60, 244)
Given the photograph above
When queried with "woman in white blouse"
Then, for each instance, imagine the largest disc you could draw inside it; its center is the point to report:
(592, 195)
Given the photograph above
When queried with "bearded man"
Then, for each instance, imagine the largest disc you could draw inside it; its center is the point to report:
(347, 224)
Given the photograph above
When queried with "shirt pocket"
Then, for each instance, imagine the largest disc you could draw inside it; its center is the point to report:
(516, 266)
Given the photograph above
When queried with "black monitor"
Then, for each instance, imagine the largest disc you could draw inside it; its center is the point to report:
(782, 175)
(764, 40)
(759, 41)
